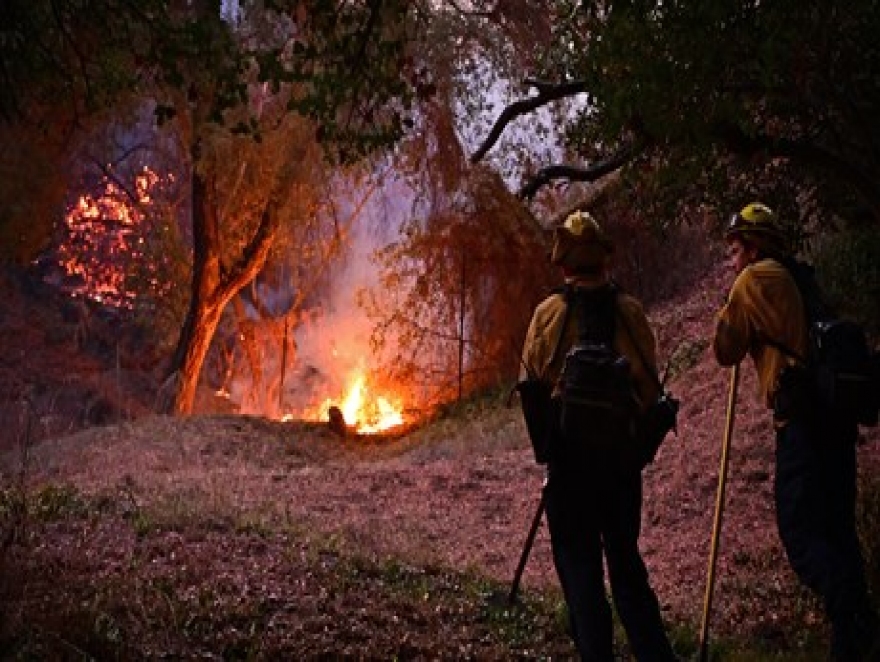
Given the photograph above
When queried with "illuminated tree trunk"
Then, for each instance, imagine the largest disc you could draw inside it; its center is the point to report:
(213, 286)
(248, 339)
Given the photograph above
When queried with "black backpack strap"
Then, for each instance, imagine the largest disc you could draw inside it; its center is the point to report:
(595, 309)
(567, 292)
(812, 298)
(651, 369)
(816, 306)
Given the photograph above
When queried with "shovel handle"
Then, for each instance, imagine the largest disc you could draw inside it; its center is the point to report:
(719, 509)
(527, 548)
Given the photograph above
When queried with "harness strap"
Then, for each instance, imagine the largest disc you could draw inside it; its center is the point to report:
(649, 367)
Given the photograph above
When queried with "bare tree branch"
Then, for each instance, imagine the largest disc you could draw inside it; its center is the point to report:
(109, 172)
(579, 173)
(547, 93)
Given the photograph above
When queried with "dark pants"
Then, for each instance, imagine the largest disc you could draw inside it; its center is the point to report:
(590, 516)
(815, 508)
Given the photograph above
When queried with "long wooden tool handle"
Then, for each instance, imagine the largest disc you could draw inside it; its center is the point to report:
(719, 509)
(527, 548)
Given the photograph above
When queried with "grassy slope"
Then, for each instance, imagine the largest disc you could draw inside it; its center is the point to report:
(240, 538)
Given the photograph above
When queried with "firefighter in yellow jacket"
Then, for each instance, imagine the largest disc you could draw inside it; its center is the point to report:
(815, 473)
(594, 506)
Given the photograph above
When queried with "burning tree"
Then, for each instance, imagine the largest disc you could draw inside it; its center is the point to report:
(461, 283)
(107, 246)
(298, 326)
(221, 74)
(327, 67)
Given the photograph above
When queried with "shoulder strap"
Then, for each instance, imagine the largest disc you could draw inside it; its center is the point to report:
(567, 292)
(816, 306)
(812, 299)
(651, 369)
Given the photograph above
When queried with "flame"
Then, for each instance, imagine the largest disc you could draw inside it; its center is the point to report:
(366, 413)
(105, 235)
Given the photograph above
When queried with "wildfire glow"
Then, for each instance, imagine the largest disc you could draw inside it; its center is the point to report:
(366, 413)
(105, 241)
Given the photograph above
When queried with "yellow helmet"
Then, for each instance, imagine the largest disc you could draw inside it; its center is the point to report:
(758, 225)
(580, 243)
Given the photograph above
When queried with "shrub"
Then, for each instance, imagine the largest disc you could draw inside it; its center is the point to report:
(850, 272)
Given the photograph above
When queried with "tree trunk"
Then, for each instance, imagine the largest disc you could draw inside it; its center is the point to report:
(196, 349)
(204, 311)
(212, 286)
(248, 341)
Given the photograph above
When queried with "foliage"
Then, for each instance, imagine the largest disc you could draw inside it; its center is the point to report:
(655, 257)
(709, 104)
(336, 65)
(333, 72)
(791, 80)
(63, 67)
(119, 241)
(228, 77)
(64, 61)
(464, 282)
(26, 219)
(104, 237)
(62, 64)
(847, 266)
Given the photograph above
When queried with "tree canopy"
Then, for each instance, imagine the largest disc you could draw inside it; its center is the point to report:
(215, 72)
(727, 87)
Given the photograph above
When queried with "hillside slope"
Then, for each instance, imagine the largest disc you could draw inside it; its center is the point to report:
(168, 507)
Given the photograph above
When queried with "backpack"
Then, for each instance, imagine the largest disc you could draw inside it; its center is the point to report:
(598, 407)
(598, 403)
(840, 373)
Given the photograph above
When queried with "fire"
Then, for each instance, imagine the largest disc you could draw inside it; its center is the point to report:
(105, 246)
(366, 413)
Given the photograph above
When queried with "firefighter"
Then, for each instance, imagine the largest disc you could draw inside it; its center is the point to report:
(815, 472)
(594, 509)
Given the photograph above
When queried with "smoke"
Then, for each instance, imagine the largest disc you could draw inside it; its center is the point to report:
(332, 344)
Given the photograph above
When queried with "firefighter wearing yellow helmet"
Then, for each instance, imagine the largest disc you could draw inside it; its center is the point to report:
(764, 298)
(757, 224)
(815, 470)
(594, 509)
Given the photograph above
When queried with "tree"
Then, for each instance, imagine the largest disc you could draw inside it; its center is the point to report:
(333, 67)
(336, 68)
(62, 66)
(272, 308)
(459, 283)
(31, 194)
(716, 89)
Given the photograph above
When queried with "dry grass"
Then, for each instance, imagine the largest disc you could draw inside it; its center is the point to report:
(236, 537)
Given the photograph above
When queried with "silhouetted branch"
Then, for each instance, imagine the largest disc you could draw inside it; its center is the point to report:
(547, 93)
(579, 173)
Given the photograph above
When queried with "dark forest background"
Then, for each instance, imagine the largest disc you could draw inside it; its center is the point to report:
(195, 171)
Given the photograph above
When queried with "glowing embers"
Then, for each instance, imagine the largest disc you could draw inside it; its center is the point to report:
(105, 254)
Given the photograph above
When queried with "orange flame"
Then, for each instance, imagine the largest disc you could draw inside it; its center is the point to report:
(105, 236)
(365, 413)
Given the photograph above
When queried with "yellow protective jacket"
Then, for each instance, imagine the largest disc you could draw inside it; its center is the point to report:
(764, 303)
(633, 339)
